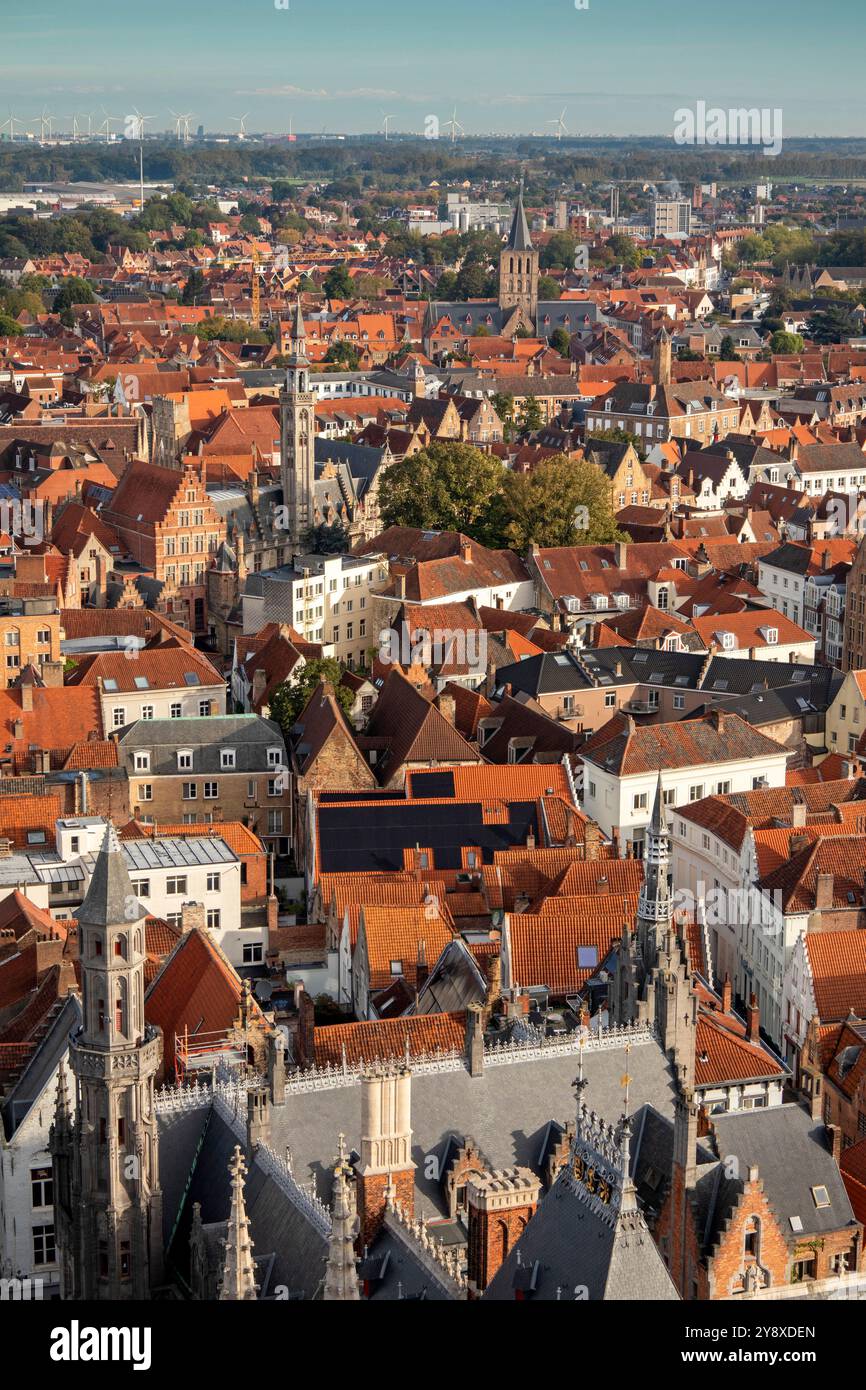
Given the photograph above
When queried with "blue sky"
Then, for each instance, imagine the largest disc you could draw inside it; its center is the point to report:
(619, 67)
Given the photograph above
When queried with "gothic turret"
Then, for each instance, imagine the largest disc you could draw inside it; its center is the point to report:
(654, 903)
(341, 1274)
(110, 1231)
(239, 1270)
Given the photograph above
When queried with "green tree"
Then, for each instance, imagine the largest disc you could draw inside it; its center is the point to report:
(531, 417)
(194, 287)
(548, 288)
(786, 342)
(560, 341)
(619, 437)
(344, 354)
(73, 290)
(727, 351)
(448, 486)
(624, 250)
(291, 698)
(8, 327)
(328, 538)
(338, 283)
(832, 325)
(558, 254)
(562, 501)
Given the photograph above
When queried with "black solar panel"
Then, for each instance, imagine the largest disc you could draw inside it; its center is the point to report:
(364, 838)
(433, 783)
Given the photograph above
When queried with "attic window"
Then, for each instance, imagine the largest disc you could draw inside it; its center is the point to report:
(587, 957)
(110, 683)
(396, 967)
(820, 1196)
(142, 683)
(796, 1223)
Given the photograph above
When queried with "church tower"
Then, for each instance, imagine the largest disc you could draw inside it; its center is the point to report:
(297, 438)
(518, 267)
(662, 359)
(104, 1146)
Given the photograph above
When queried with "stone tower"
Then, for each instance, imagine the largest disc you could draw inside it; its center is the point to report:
(297, 438)
(108, 1211)
(239, 1271)
(341, 1274)
(654, 904)
(662, 359)
(385, 1167)
(518, 267)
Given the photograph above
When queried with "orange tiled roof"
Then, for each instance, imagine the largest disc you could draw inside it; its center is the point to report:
(23, 815)
(387, 1039)
(837, 960)
(396, 934)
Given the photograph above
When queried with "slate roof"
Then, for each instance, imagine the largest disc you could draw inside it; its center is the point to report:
(249, 735)
(626, 750)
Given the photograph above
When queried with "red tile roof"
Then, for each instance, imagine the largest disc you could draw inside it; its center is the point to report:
(837, 960)
(388, 1039)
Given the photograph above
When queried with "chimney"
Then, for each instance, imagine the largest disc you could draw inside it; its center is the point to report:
(18, 729)
(798, 815)
(277, 1068)
(192, 915)
(258, 1118)
(753, 1021)
(384, 1168)
(620, 551)
(726, 995)
(834, 1141)
(422, 969)
(401, 585)
(260, 681)
(474, 1040)
(26, 697)
(447, 707)
(466, 550)
(824, 891)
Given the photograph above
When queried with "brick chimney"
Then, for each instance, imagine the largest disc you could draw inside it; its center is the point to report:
(834, 1141)
(796, 843)
(753, 1020)
(726, 995)
(447, 707)
(824, 891)
(385, 1164)
(466, 550)
(260, 680)
(500, 1204)
(26, 697)
(192, 916)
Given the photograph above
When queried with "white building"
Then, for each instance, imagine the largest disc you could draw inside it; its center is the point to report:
(27, 1239)
(718, 754)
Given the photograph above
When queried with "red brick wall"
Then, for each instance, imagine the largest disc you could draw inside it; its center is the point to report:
(371, 1201)
(492, 1234)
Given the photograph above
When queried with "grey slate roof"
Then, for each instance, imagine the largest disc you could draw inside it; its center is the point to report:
(790, 1152)
(42, 1065)
(567, 1245)
(248, 734)
(110, 895)
(506, 1111)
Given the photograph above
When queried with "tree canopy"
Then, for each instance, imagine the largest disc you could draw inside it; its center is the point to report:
(289, 699)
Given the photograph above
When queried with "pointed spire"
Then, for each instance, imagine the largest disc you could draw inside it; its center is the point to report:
(239, 1274)
(110, 900)
(519, 238)
(341, 1274)
(659, 823)
(298, 336)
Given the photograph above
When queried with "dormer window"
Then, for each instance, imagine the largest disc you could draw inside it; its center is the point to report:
(227, 759)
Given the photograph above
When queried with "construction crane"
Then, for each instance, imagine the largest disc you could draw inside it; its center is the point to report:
(257, 293)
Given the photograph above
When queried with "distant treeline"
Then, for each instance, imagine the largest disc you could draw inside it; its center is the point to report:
(363, 165)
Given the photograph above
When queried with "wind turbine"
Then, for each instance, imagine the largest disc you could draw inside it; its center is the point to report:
(385, 120)
(454, 125)
(107, 124)
(44, 120)
(12, 122)
(242, 129)
(141, 121)
(559, 122)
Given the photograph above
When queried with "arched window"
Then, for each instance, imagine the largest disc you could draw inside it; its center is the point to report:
(502, 1240)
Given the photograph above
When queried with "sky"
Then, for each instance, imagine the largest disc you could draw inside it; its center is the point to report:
(617, 67)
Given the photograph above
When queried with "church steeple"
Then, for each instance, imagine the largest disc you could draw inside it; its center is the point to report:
(239, 1270)
(341, 1274)
(109, 1227)
(297, 438)
(519, 266)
